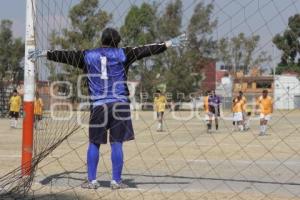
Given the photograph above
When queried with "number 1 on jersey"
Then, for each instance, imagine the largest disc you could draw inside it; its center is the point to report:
(103, 67)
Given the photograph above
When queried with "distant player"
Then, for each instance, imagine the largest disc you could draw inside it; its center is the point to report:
(265, 104)
(214, 102)
(106, 68)
(160, 102)
(172, 105)
(15, 102)
(248, 109)
(244, 111)
(208, 114)
(194, 102)
(38, 109)
(237, 109)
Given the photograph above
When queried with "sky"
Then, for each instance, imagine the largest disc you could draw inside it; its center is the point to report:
(233, 15)
(265, 18)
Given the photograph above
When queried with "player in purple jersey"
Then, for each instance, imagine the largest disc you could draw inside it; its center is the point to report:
(214, 102)
(106, 69)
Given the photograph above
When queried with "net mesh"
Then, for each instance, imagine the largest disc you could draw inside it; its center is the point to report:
(184, 161)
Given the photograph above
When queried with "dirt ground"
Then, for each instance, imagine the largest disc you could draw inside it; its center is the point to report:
(183, 162)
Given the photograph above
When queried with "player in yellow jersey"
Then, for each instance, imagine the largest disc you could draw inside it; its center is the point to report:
(237, 109)
(160, 102)
(38, 109)
(14, 108)
(265, 104)
(244, 111)
(208, 115)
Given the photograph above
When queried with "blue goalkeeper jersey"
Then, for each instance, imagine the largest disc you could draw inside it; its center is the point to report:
(106, 75)
(106, 69)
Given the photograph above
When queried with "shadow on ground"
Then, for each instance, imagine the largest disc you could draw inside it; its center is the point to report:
(73, 175)
(43, 197)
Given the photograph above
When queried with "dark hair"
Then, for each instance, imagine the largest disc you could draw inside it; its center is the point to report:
(110, 37)
(15, 90)
(240, 92)
(265, 91)
(158, 91)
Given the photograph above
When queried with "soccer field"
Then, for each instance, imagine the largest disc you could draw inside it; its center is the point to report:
(184, 162)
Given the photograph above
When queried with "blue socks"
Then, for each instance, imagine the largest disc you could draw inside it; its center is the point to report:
(92, 161)
(117, 160)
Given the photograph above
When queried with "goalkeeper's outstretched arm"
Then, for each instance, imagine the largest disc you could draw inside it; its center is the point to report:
(74, 58)
(137, 53)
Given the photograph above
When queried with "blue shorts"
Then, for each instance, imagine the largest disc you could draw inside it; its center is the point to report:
(113, 117)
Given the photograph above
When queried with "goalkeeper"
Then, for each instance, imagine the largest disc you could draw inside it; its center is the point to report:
(106, 68)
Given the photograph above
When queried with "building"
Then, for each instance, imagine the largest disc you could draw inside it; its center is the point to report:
(285, 89)
(224, 89)
(208, 73)
(287, 92)
(252, 84)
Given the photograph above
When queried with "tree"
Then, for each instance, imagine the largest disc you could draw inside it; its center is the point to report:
(200, 30)
(186, 64)
(178, 64)
(289, 44)
(11, 53)
(143, 25)
(169, 24)
(87, 23)
(140, 28)
(238, 52)
(202, 47)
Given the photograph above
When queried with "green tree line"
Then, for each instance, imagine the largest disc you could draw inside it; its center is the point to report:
(178, 69)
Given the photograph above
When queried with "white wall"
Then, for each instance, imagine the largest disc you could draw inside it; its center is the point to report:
(224, 88)
(285, 90)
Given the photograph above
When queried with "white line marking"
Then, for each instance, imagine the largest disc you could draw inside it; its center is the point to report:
(199, 144)
(10, 156)
(243, 162)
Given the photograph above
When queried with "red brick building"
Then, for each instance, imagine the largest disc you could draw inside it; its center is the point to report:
(208, 73)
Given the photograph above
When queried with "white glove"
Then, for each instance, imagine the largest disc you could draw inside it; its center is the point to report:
(33, 55)
(180, 40)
